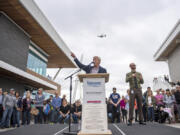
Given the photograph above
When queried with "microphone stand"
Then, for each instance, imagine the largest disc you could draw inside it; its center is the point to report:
(71, 77)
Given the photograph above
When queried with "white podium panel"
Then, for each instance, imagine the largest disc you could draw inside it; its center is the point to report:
(94, 90)
(94, 108)
(93, 118)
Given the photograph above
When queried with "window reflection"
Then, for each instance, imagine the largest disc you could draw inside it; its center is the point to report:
(36, 64)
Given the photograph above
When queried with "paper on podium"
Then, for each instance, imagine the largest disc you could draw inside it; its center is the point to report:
(100, 75)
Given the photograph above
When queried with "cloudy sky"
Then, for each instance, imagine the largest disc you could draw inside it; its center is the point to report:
(135, 29)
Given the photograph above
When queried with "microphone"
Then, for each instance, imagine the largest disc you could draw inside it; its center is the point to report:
(91, 64)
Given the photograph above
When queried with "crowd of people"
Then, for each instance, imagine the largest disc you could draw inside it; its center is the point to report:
(159, 106)
(16, 111)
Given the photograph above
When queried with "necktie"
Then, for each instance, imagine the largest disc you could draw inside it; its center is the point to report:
(135, 82)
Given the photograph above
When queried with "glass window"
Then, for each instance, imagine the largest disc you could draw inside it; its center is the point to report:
(36, 64)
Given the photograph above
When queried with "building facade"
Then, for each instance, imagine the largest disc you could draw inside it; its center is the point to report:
(28, 46)
(169, 51)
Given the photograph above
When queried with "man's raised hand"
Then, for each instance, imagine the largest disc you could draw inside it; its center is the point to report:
(73, 55)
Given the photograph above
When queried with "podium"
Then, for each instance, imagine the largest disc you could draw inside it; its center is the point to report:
(94, 108)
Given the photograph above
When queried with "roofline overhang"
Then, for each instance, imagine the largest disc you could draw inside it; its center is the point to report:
(41, 19)
(28, 16)
(169, 44)
(25, 76)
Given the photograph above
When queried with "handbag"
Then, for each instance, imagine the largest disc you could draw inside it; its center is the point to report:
(34, 110)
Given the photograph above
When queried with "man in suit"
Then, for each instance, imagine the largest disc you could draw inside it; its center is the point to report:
(88, 68)
(135, 80)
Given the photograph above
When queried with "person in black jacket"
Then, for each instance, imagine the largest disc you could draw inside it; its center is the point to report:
(177, 98)
(26, 109)
(88, 68)
(77, 111)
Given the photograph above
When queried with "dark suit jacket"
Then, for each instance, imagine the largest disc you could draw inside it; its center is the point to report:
(87, 68)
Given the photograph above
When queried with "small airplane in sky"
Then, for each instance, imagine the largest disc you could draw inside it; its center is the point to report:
(102, 36)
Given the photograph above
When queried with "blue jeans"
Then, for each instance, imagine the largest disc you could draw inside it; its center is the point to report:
(75, 118)
(26, 117)
(6, 117)
(110, 116)
(61, 118)
(151, 113)
(16, 117)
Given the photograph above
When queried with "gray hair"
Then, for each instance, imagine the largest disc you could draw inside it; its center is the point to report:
(97, 57)
(12, 89)
(40, 89)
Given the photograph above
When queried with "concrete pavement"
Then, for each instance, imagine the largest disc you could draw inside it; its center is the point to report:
(117, 129)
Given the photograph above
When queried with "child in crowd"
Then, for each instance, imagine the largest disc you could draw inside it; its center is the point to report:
(46, 111)
(127, 102)
(123, 110)
(150, 102)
